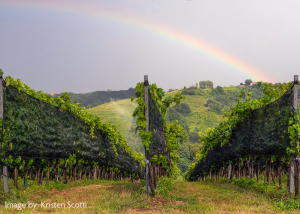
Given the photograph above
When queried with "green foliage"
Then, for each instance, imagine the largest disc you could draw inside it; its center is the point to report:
(185, 157)
(194, 137)
(220, 90)
(220, 135)
(182, 108)
(282, 197)
(206, 84)
(248, 81)
(173, 132)
(174, 115)
(164, 186)
(64, 103)
(214, 105)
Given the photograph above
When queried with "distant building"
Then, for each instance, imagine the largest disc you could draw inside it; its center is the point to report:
(253, 83)
(54, 93)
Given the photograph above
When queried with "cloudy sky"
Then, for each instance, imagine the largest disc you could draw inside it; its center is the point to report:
(89, 45)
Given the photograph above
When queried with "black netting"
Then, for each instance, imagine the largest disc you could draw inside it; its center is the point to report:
(35, 129)
(263, 133)
(158, 144)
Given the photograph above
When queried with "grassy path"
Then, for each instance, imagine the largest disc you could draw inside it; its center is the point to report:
(126, 197)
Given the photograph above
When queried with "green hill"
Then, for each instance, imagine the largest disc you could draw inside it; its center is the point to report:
(201, 109)
(96, 98)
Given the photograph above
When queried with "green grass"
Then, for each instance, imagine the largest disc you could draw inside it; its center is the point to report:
(224, 196)
(117, 113)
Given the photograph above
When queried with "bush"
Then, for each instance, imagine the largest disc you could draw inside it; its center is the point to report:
(183, 109)
(174, 115)
(222, 99)
(194, 137)
(214, 106)
(220, 90)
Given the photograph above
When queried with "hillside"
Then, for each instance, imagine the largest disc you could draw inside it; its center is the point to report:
(204, 110)
(96, 98)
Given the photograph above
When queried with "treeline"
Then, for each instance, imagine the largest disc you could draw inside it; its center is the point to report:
(221, 98)
(96, 98)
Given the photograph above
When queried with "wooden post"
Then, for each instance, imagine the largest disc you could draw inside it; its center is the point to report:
(38, 171)
(65, 175)
(295, 106)
(25, 176)
(48, 172)
(279, 172)
(74, 172)
(1, 170)
(16, 177)
(239, 174)
(288, 176)
(251, 173)
(146, 84)
(294, 176)
(229, 171)
(5, 171)
(244, 169)
(56, 170)
(258, 167)
(5, 177)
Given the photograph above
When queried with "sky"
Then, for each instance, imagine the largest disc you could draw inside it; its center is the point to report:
(91, 45)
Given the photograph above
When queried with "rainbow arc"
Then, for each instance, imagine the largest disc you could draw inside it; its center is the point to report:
(89, 9)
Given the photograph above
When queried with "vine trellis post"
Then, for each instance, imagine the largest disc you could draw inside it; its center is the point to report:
(294, 187)
(146, 84)
(5, 170)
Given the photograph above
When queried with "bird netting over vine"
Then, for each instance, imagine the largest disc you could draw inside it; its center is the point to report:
(263, 133)
(35, 129)
(158, 144)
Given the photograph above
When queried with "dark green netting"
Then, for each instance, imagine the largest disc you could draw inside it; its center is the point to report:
(35, 129)
(263, 133)
(158, 144)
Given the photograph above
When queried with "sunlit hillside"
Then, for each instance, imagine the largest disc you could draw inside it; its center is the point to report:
(205, 111)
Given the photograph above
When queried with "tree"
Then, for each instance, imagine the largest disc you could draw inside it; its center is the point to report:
(248, 81)
(220, 90)
(194, 137)
(196, 85)
(183, 109)
(209, 84)
(214, 106)
(206, 84)
(202, 84)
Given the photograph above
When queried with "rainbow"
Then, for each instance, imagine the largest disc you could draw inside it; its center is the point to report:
(90, 9)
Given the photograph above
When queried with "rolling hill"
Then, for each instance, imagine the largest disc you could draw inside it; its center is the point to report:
(205, 112)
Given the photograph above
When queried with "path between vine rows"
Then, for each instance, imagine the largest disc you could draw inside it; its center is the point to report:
(187, 197)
